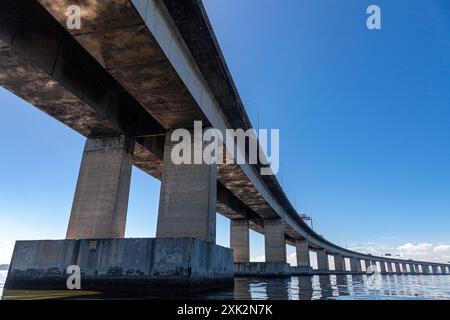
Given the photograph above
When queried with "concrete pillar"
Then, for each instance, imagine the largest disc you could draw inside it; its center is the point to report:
(412, 268)
(100, 204)
(404, 268)
(368, 265)
(354, 265)
(322, 260)
(339, 263)
(187, 205)
(240, 240)
(397, 268)
(435, 270)
(275, 242)
(382, 267)
(417, 268)
(302, 250)
(425, 269)
(389, 267)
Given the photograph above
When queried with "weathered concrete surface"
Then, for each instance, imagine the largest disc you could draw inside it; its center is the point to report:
(274, 240)
(100, 204)
(382, 267)
(240, 240)
(187, 205)
(322, 260)
(147, 265)
(339, 263)
(262, 269)
(302, 251)
(355, 265)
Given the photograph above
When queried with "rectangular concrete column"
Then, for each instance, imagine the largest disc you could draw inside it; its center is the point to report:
(302, 250)
(425, 269)
(404, 268)
(240, 240)
(275, 242)
(187, 204)
(368, 264)
(322, 260)
(397, 268)
(435, 270)
(339, 264)
(382, 267)
(354, 264)
(389, 267)
(100, 204)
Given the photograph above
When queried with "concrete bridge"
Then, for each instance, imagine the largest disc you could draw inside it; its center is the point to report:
(135, 71)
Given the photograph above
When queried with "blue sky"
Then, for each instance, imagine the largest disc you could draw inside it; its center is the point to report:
(363, 118)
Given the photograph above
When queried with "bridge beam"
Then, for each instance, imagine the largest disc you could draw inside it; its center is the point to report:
(240, 240)
(275, 242)
(187, 206)
(302, 250)
(100, 204)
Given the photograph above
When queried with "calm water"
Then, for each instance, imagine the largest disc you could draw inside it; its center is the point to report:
(323, 287)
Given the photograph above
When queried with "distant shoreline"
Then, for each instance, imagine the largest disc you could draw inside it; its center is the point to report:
(4, 267)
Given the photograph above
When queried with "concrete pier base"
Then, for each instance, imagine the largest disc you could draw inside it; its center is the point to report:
(122, 265)
(262, 269)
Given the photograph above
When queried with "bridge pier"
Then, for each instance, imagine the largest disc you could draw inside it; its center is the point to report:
(355, 265)
(417, 268)
(397, 268)
(435, 270)
(389, 267)
(339, 263)
(183, 257)
(404, 268)
(302, 250)
(187, 205)
(382, 267)
(425, 269)
(275, 242)
(322, 261)
(100, 204)
(240, 240)
(368, 265)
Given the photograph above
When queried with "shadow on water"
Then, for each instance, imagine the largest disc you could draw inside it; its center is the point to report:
(340, 287)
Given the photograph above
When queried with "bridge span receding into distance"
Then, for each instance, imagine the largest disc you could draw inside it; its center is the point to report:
(133, 72)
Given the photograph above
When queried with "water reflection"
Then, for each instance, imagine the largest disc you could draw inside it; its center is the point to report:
(330, 287)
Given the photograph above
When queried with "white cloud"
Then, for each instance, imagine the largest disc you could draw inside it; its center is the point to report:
(258, 259)
(442, 248)
(420, 251)
(292, 259)
(6, 250)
